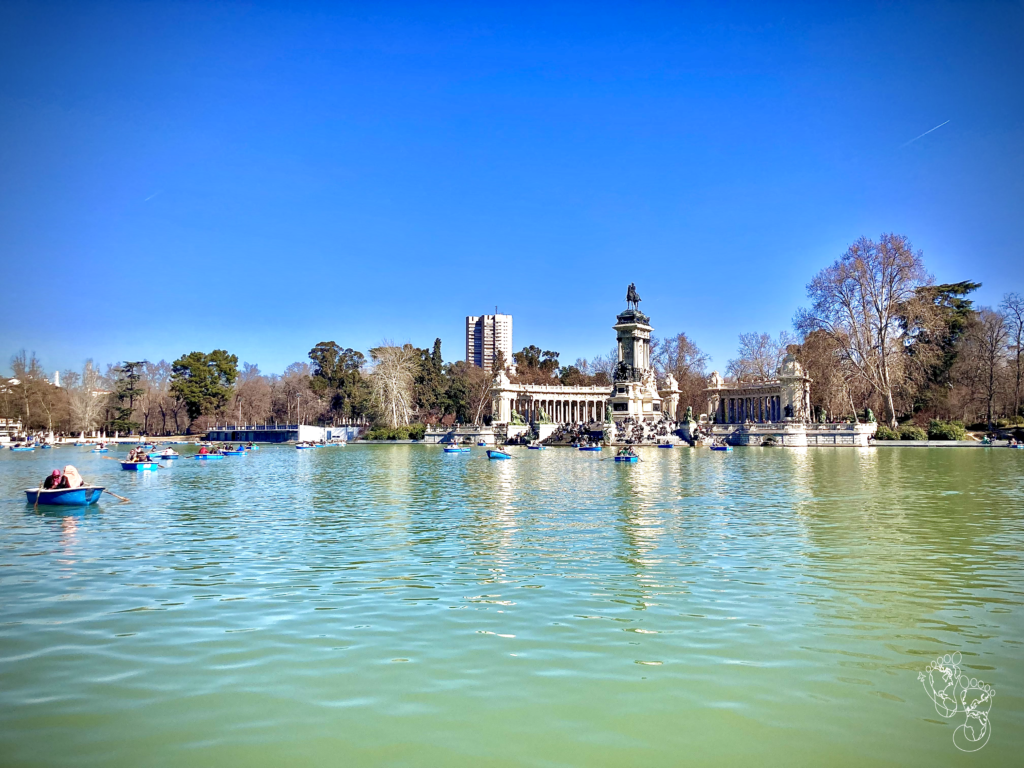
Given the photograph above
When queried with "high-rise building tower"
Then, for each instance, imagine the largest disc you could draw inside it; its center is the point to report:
(486, 336)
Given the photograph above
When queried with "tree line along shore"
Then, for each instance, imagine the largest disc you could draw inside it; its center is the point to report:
(878, 333)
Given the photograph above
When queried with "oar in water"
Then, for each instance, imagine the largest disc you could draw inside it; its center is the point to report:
(122, 498)
(35, 507)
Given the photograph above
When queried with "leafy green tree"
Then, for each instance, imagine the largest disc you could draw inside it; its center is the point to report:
(534, 366)
(456, 398)
(337, 376)
(127, 389)
(935, 321)
(202, 381)
(571, 376)
(429, 384)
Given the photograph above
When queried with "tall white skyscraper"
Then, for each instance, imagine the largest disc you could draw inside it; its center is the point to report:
(486, 336)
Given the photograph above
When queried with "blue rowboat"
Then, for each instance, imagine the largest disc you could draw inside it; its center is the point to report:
(666, 445)
(252, 448)
(168, 456)
(68, 497)
(139, 466)
(498, 455)
(99, 450)
(453, 450)
(481, 444)
(536, 447)
(21, 449)
(303, 447)
(208, 456)
(727, 448)
(46, 447)
(628, 459)
(590, 447)
(234, 453)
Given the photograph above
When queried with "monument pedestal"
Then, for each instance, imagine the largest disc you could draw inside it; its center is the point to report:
(687, 430)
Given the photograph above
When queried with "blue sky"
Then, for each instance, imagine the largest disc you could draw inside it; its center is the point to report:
(260, 177)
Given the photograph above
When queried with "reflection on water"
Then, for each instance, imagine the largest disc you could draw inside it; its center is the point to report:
(396, 605)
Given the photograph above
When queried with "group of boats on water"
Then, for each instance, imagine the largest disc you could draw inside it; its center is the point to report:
(308, 445)
(625, 454)
(68, 489)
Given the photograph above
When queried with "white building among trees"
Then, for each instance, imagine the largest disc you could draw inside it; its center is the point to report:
(487, 336)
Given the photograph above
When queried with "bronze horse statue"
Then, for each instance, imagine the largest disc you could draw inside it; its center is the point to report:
(632, 297)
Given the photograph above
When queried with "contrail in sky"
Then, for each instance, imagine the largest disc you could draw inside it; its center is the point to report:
(923, 134)
(157, 193)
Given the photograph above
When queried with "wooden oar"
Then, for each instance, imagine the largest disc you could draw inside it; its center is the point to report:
(35, 507)
(122, 498)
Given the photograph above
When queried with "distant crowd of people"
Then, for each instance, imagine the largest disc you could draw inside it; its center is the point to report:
(573, 434)
(639, 432)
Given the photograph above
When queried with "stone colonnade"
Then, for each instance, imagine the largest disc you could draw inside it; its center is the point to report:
(561, 404)
(757, 408)
(561, 410)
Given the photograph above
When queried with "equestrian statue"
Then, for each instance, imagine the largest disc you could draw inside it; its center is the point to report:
(632, 297)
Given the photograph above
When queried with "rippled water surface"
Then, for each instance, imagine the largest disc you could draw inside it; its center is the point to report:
(394, 605)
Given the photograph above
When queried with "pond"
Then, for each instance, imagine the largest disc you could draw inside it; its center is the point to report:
(397, 605)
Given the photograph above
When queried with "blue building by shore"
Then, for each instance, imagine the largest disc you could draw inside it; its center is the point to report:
(282, 433)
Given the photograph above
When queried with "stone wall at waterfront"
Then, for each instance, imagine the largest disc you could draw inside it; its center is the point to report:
(795, 435)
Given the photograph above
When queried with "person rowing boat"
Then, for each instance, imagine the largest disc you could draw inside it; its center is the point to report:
(138, 455)
(69, 478)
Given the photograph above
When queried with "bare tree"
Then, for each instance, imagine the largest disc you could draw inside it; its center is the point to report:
(859, 301)
(605, 364)
(679, 356)
(155, 384)
(478, 391)
(254, 393)
(990, 334)
(759, 356)
(1013, 311)
(29, 374)
(86, 405)
(835, 385)
(391, 382)
(293, 386)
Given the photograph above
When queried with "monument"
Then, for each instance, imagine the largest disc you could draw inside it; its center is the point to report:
(635, 392)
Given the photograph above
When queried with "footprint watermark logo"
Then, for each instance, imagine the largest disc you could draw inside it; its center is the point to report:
(954, 693)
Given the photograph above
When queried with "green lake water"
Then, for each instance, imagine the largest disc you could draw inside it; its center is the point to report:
(393, 605)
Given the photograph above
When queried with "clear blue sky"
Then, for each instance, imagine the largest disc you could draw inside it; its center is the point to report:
(261, 177)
